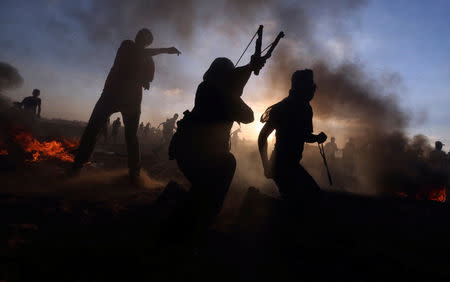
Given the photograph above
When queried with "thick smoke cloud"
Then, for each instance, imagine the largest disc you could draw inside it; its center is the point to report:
(345, 92)
(105, 20)
(9, 77)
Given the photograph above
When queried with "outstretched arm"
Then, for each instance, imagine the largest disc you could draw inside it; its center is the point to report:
(157, 51)
(262, 145)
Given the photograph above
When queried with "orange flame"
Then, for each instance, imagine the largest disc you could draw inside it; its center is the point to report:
(438, 195)
(3, 152)
(47, 149)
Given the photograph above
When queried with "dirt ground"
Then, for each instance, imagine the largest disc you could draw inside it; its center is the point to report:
(99, 228)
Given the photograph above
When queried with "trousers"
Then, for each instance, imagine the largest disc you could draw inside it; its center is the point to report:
(210, 176)
(103, 109)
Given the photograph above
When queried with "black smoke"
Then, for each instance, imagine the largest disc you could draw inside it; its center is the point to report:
(9, 77)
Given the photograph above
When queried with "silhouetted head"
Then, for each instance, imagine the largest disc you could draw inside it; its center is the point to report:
(219, 71)
(302, 83)
(36, 92)
(438, 145)
(118, 118)
(144, 38)
(333, 140)
(175, 116)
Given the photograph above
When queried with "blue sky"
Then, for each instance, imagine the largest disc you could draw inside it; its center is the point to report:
(412, 39)
(52, 53)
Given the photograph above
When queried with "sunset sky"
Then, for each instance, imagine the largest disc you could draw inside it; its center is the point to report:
(65, 48)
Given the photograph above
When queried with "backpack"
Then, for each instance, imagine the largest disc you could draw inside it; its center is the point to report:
(177, 141)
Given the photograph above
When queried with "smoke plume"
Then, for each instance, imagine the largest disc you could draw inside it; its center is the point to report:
(9, 77)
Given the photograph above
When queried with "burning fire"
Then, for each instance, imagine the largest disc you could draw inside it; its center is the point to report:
(44, 150)
(439, 195)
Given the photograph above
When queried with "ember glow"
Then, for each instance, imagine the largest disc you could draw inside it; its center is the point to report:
(438, 195)
(47, 149)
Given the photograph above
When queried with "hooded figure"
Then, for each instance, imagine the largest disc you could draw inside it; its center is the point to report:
(201, 144)
(292, 120)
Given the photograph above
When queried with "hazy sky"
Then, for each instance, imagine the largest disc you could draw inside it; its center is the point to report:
(66, 52)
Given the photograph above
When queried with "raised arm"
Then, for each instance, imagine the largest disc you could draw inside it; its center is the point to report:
(157, 51)
(242, 74)
(262, 145)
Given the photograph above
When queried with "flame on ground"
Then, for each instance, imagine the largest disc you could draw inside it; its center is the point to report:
(438, 195)
(44, 150)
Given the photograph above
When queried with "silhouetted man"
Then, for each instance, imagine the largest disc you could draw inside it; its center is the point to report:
(168, 128)
(115, 129)
(201, 144)
(331, 149)
(437, 156)
(348, 155)
(147, 129)
(292, 120)
(133, 70)
(32, 103)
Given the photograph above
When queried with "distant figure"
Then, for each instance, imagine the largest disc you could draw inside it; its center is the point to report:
(331, 149)
(133, 70)
(292, 120)
(438, 157)
(348, 156)
(147, 129)
(168, 128)
(115, 129)
(104, 130)
(235, 138)
(32, 103)
(141, 129)
(201, 145)
(349, 150)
